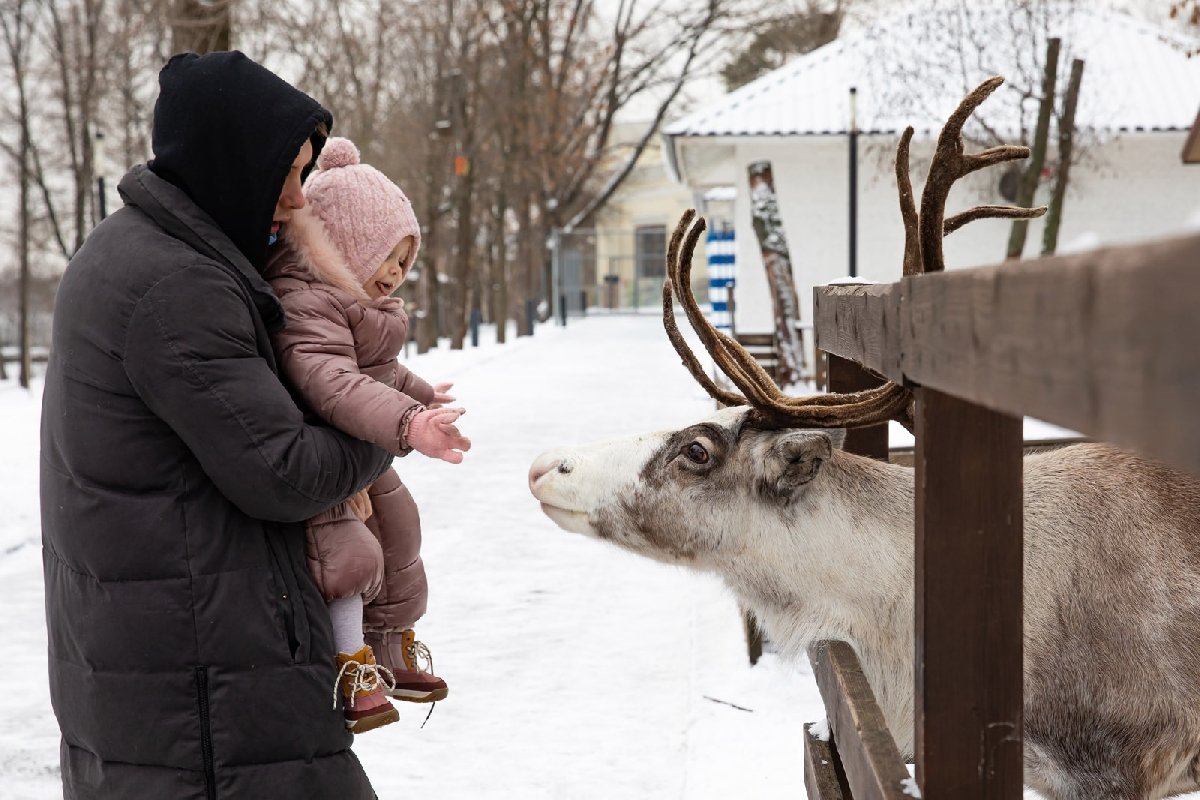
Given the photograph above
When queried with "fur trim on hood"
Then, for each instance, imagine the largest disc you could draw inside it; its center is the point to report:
(306, 236)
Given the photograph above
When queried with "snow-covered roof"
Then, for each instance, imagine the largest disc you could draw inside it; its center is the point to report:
(720, 194)
(912, 69)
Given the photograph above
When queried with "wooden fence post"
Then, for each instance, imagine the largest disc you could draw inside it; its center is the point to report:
(969, 546)
(844, 375)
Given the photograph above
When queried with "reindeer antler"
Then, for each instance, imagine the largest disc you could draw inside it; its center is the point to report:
(922, 253)
(923, 234)
(771, 407)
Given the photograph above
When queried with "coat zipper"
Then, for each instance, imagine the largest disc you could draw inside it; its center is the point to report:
(206, 750)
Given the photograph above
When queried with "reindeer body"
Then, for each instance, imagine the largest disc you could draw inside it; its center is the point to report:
(819, 544)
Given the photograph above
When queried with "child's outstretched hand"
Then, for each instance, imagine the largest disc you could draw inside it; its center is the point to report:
(441, 395)
(432, 432)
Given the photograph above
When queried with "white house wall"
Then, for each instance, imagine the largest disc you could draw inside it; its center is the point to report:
(1129, 189)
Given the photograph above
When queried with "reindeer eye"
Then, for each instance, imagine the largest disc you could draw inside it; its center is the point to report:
(696, 453)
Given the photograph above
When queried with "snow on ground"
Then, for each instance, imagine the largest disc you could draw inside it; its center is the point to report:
(575, 670)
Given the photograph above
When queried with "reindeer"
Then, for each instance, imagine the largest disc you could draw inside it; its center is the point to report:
(818, 542)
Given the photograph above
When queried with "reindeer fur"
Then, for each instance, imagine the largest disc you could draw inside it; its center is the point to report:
(819, 543)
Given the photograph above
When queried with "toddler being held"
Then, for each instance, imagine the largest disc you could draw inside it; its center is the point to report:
(339, 260)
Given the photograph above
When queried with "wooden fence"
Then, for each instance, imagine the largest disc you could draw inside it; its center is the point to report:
(11, 354)
(1106, 343)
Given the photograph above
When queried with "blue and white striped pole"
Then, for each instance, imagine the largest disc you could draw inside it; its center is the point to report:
(719, 249)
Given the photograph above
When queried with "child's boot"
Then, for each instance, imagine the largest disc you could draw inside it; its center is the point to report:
(364, 686)
(411, 664)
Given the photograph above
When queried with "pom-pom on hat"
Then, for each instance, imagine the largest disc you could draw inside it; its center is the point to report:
(365, 215)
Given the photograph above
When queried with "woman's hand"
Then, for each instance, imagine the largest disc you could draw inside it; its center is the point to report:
(360, 504)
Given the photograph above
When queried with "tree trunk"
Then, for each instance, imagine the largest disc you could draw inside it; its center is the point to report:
(87, 123)
(524, 165)
(202, 26)
(769, 229)
(1033, 171)
(545, 258)
(75, 52)
(483, 279)
(462, 272)
(424, 328)
(527, 266)
(67, 53)
(428, 327)
(500, 274)
(427, 284)
(23, 244)
(464, 189)
(1066, 136)
(18, 34)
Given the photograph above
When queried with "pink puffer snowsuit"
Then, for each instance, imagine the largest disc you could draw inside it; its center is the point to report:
(338, 350)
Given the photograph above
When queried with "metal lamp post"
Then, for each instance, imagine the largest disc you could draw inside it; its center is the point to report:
(853, 182)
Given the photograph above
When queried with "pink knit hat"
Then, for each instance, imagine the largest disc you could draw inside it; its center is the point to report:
(365, 215)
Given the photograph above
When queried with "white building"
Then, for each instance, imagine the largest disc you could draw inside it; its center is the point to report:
(1139, 98)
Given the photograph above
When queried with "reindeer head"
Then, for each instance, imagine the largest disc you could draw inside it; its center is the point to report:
(685, 496)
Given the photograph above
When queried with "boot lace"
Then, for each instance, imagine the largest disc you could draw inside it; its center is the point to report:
(363, 678)
(418, 657)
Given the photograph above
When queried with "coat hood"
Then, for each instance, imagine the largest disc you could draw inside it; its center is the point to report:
(226, 131)
(307, 252)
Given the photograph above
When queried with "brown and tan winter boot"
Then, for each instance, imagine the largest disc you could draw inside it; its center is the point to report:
(411, 664)
(363, 685)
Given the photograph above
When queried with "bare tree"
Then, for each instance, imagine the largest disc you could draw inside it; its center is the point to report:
(74, 41)
(530, 147)
(510, 107)
(202, 26)
(571, 72)
(526, 138)
(1033, 170)
(137, 42)
(960, 42)
(1066, 135)
(774, 40)
(641, 60)
(17, 31)
(73, 63)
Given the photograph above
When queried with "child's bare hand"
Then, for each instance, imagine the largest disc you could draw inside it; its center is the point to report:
(441, 395)
(433, 432)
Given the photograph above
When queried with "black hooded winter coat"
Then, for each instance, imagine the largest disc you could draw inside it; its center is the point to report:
(190, 653)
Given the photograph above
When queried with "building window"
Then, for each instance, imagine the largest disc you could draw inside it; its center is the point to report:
(650, 244)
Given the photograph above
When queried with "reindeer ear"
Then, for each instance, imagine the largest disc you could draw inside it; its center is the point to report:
(800, 455)
(837, 437)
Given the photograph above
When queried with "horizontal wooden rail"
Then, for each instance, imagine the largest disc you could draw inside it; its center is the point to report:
(868, 753)
(12, 353)
(861, 324)
(823, 775)
(1106, 343)
(905, 456)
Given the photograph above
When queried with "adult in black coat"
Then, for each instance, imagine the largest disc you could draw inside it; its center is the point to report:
(190, 653)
